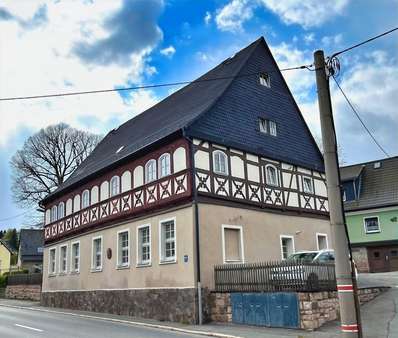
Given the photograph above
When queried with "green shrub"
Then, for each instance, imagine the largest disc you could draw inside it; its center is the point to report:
(3, 281)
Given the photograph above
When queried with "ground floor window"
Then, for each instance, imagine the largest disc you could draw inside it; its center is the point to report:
(287, 246)
(371, 224)
(96, 262)
(52, 261)
(322, 241)
(232, 244)
(123, 252)
(75, 257)
(167, 241)
(63, 254)
(144, 245)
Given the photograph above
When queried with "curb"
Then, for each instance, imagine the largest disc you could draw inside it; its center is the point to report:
(122, 321)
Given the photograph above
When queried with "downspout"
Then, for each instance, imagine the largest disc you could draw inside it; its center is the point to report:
(196, 221)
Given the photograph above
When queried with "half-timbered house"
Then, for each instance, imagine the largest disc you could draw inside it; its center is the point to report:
(224, 170)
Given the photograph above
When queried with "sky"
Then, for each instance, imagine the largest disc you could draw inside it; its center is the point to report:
(75, 45)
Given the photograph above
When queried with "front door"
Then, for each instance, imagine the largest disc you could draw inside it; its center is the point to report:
(383, 259)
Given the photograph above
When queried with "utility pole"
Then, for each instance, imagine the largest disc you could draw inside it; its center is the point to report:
(345, 286)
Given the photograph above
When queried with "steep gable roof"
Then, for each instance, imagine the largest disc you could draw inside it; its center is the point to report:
(201, 108)
(6, 245)
(379, 186)
(31, 240)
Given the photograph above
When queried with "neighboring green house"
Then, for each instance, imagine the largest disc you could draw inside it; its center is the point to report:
(371, 207)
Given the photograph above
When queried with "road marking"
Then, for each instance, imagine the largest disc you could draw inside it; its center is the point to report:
(28, 327)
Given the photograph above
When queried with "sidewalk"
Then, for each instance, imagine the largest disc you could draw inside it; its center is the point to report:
(379, 320)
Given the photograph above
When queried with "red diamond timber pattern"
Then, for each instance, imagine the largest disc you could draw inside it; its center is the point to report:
(126, 202)
(115, 206)
(165, 189)
(203, 182)
(180, 184)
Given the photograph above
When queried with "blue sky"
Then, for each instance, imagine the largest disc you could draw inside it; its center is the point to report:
(54, 46)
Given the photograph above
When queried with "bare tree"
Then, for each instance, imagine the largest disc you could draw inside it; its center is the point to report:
(46, 160)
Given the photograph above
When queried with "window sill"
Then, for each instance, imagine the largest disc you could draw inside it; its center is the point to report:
(233, 262)
(96, 270)
(123, 267)
(52, 275)
(168, 262)
(143, 265)
(63, 273)
(75, 272)
(373, 232)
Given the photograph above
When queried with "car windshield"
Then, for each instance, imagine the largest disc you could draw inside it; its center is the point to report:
(302, 256)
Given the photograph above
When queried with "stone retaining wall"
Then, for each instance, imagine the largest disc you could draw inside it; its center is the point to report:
(176, 305)
(316, 308)
(24, 292)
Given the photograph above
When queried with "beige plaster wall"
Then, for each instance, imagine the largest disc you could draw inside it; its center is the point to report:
(179, 274)
(261, 234)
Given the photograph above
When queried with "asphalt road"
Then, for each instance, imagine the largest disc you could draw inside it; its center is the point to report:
(21, 323)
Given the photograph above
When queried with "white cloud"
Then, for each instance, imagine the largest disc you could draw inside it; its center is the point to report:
(40, 61)
(308, 38)
(307, 13)
(233, 15)
(168, 51)
(207, 18)
(332, 40)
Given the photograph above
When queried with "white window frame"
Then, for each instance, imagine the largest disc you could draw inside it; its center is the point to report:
(85, 193)
(265, 80)
(162, 259)
(140, 262)
(319, 234)
(54, 218)
(280, 243)
(276, 184)
(311, 191)
(72, 258)
(111, 186)
(168, 158)
(263, 125)
(93, 267)
(242, 248)
(63, 272)
(147, 180)
(120, 264)
(50, 272)
(63, 210)
(273, 128)
(371, 231)
(224, 155)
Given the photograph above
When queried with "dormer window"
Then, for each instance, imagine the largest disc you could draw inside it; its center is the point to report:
(220, 165)
(265, 80)
(268, 126)
(150, 171)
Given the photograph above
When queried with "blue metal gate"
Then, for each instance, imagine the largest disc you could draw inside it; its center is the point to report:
(278, 309)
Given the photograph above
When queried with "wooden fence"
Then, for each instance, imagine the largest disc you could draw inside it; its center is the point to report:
(275, 276)
(25, 279)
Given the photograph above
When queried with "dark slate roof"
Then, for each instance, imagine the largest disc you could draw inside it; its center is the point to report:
(217, 111)
(30, 241)
(7, 245)
(379, 187)
(351, 172)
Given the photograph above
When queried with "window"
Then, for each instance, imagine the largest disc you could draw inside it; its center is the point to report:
(61, 210)
(85, 199)
(53, 216)
(75, 257)
(265, 80)
(371, 224)
(63, 252)
(322, 241)
(344, 196)
(268, 126)
(232, 244)
(307, 185)
(220, 165)
(271, 175)
(325, 257)
(96, 262)
(52, 268)
(144, 245)
(287, 246)
(150, 171)
(123, 251)
(164, 165)
(115, 186)
(167, 241)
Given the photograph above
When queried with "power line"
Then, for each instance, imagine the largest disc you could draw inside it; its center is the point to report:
(15, 216)
(146, 86)
(364, 42)
(360, 119)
